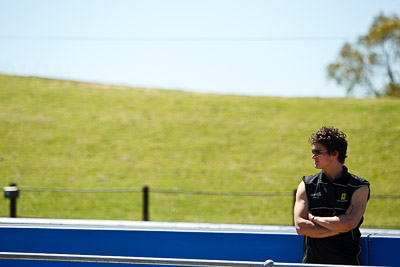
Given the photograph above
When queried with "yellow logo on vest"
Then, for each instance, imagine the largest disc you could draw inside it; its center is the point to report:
(342, 198)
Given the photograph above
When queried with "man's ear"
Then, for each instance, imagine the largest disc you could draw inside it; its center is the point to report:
(335, 153)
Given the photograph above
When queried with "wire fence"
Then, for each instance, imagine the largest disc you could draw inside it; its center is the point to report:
(155, 190)
(171, 191)
(12, 192)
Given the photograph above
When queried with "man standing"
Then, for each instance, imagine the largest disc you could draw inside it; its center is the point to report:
(330, 205)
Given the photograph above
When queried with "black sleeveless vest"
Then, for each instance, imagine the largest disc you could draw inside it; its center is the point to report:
(328, 198)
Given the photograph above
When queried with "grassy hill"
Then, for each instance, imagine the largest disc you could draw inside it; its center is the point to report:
(62, 134)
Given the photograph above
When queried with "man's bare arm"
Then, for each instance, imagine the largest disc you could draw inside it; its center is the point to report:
(303, 225)
(352, 218)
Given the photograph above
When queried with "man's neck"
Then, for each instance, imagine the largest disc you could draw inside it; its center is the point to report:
(334, 171)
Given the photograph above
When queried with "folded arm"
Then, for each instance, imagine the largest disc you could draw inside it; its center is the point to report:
(351, 218)
(303, 223)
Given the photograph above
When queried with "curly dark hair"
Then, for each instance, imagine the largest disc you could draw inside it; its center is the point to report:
(333, 139)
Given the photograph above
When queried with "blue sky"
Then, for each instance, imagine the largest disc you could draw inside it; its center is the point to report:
(246, 47)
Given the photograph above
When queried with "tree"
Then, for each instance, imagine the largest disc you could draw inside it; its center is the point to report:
(373, 63)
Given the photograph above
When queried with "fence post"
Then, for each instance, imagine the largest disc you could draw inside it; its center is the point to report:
(12, 192)
(145, 203)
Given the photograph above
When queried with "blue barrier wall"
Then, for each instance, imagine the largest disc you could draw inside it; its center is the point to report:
(383, 250)
(190, 244)
(163, 244)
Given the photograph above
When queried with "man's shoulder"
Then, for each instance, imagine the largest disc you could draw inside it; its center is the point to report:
(357, 181)
(311, 178)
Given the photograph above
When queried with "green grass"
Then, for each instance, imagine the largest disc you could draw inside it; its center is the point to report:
(79, 135)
